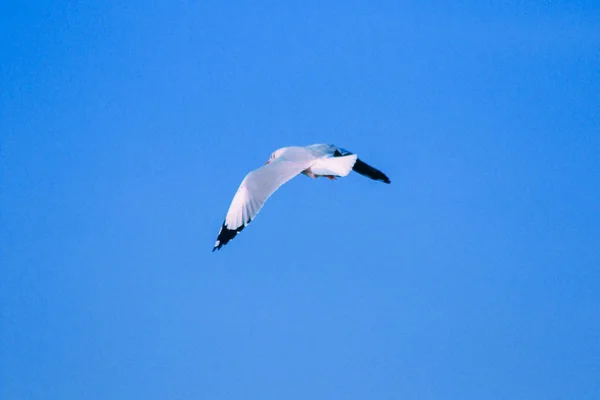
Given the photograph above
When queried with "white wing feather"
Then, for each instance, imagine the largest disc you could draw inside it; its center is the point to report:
(256, 188)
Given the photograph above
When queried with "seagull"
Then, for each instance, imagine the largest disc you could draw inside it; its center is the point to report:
(315, 161)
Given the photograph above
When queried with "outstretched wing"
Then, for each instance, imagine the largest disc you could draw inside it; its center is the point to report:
(362, 167)
(254, 191)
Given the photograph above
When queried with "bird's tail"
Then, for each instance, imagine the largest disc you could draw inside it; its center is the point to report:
(338, 166)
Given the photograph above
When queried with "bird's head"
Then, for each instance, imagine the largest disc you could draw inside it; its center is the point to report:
(275, 155)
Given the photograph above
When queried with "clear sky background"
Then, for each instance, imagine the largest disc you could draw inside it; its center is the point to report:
(126, 128)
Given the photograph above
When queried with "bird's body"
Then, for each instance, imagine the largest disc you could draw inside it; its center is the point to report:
(318, 160)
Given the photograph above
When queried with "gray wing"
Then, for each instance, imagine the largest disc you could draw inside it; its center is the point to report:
(362, 167)
(254, 191)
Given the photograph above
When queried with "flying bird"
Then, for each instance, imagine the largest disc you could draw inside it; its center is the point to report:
(318, 160)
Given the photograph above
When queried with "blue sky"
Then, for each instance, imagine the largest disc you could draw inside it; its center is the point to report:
(126, 128)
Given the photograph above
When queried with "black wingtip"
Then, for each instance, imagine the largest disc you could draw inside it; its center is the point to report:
(370, 172)
(226, 234)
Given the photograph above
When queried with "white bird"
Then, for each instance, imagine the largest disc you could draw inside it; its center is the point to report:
(318, 160)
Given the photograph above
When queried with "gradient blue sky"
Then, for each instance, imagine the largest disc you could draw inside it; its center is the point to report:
(126, 128)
